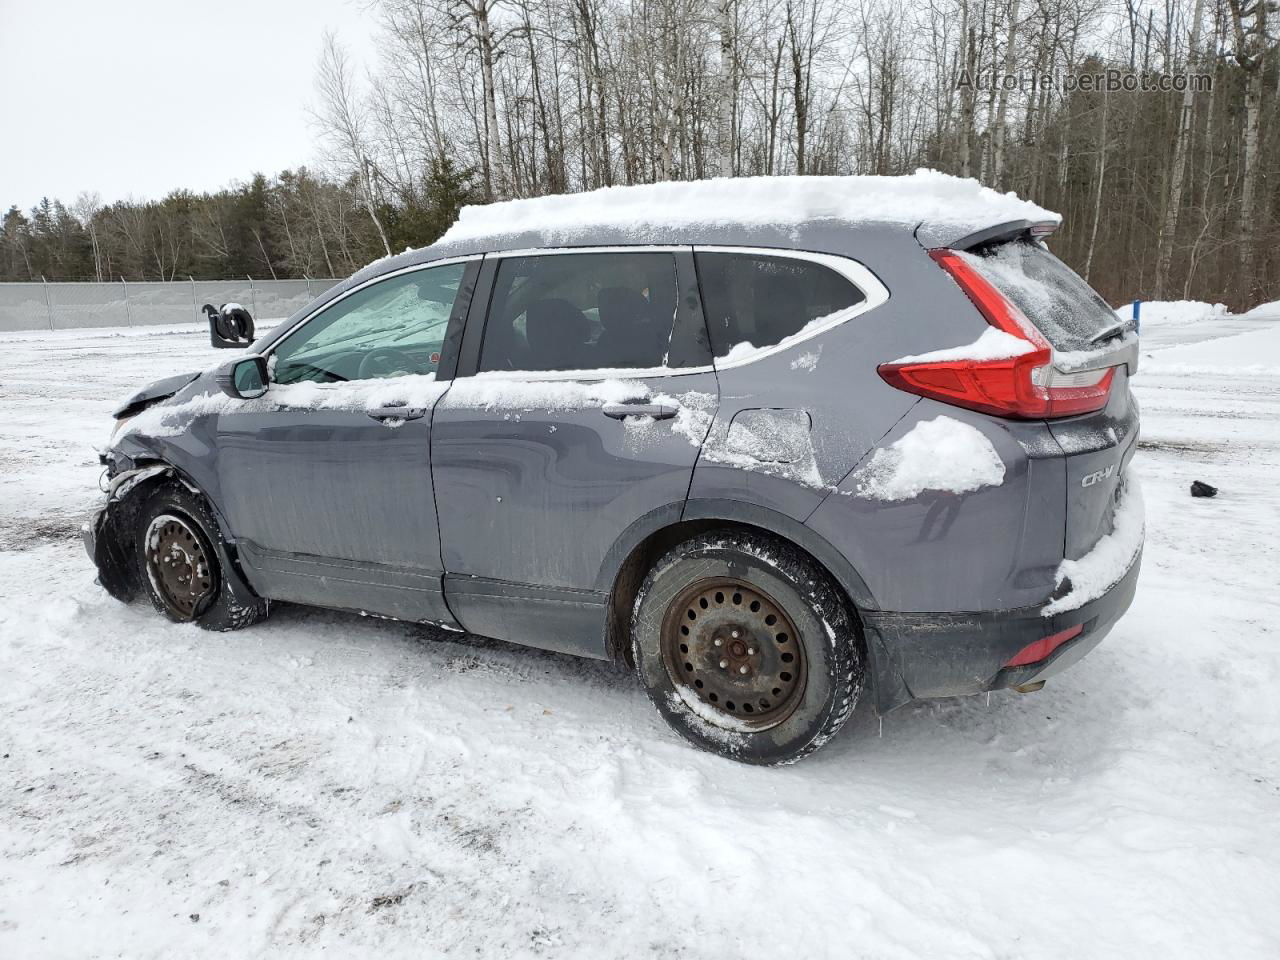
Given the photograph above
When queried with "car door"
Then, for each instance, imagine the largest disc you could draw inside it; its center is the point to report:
(326, 480)
(583, 396)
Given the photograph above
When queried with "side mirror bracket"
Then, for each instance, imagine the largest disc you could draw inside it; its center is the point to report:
(244, 378)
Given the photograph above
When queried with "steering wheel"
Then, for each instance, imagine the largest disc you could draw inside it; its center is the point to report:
(383, 362)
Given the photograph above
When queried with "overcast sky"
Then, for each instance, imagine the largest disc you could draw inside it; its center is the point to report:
(139, 97)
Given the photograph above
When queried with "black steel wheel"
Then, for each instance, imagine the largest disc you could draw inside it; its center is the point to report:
(727, 644)
(182, 565)
(747, 647)
(179, 565)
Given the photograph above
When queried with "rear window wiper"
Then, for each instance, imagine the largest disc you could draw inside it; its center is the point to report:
(1115, 330)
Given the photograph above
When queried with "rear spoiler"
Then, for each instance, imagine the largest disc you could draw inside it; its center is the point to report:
(931, 235)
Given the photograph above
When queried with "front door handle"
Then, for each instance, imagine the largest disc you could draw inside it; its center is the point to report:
(398, 413)
(658, 411)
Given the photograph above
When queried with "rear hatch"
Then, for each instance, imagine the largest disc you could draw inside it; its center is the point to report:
(1088, 339)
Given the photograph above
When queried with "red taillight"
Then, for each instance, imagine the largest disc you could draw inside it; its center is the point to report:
(1025, 386)
(1040, 650)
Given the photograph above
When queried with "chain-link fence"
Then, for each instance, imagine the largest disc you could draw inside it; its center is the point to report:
(73, 306)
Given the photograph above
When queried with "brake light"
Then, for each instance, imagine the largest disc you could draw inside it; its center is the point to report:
(1025, 386)
(1040, 650)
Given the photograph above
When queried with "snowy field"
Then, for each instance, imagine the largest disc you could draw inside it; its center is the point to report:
(323, 783)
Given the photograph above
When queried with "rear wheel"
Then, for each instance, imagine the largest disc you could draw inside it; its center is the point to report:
(180, 563)
(746, 647)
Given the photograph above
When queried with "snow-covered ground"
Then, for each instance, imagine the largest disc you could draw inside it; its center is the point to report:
(323, 783)
(1191, 321)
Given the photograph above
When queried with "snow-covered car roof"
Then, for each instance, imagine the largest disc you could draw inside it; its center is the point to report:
(939, 208)
(927, 197)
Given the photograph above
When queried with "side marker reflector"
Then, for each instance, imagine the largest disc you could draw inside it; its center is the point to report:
(1040, 650)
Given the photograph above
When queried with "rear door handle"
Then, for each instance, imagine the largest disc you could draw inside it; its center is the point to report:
(658, 411)
(398, 413)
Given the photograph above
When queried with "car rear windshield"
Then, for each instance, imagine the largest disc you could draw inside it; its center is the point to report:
(1052, 295)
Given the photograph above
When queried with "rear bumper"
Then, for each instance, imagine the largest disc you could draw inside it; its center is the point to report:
(923, 655)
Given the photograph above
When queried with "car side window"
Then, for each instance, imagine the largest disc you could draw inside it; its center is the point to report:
(580, 311)
(760, 300)
(387, 329)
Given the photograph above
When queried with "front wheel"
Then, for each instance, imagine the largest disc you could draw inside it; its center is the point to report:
(181, 566)
(746, 647)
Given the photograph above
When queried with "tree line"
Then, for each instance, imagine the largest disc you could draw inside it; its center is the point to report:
(295, 224)
(1168, 189)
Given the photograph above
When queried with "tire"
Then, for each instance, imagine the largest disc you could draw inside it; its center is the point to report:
(181, 564)
(226, 326)
(242, 323)
(746, 647)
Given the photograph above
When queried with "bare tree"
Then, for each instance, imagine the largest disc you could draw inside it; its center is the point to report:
(1099, 181)
(343, 122)
(725, 87)
(474, 21)
(1002, 102)
(1249, 22)
(1177, 173)
(86, 209)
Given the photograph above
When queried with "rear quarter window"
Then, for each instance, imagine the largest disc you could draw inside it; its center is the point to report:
(1053, 296)
(756, 300)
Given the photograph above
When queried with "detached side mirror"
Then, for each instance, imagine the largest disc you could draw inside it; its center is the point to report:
(244, 379)
(230, 326)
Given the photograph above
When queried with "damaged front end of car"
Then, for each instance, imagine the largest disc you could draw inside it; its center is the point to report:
(108, 534)
(141, 460)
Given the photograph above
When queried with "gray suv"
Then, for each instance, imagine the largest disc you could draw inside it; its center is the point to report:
(766, 466)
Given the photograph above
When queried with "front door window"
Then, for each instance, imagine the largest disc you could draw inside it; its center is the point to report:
(388, 329)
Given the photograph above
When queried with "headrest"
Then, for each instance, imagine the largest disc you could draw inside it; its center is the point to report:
(552, 326)
(622, 307)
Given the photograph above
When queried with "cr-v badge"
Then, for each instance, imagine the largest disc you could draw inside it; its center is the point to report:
(1088, 480)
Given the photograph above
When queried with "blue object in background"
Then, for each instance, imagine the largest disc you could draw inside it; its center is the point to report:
(1137, 312)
